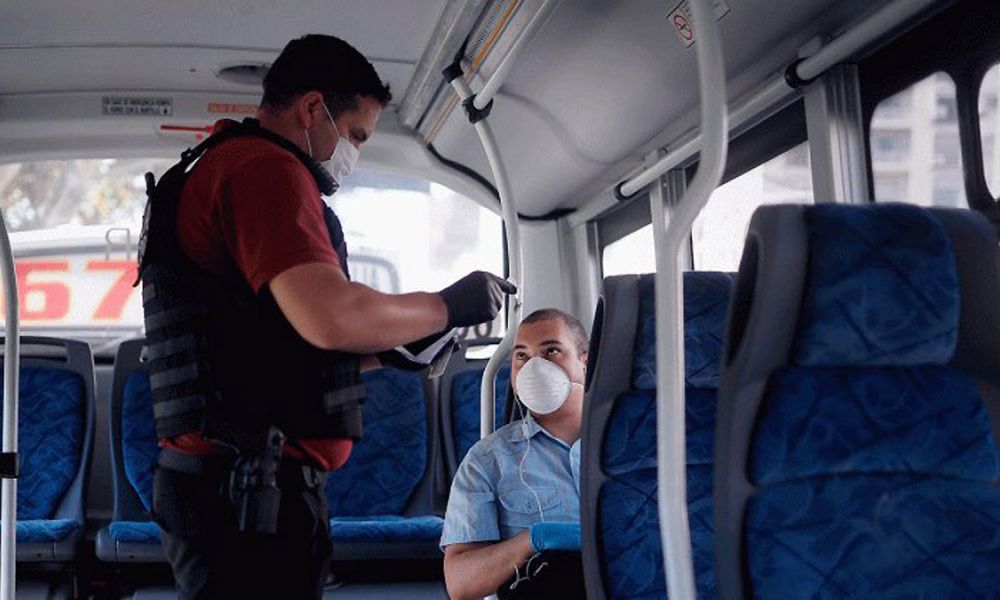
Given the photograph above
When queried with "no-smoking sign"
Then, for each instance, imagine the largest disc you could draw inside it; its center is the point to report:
(683, 21)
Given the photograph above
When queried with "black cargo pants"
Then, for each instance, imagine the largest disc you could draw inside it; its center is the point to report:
(212, 559)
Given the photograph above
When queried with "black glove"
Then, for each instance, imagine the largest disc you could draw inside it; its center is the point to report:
(475, 298)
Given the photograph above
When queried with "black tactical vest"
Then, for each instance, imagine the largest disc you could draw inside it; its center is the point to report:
(226, 362)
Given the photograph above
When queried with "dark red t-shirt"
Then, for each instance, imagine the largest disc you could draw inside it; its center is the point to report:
(251, 206)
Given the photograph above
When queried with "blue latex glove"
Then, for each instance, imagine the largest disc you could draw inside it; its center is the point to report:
(555, 536)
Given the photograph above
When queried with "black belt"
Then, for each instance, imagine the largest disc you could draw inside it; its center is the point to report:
(290, 471)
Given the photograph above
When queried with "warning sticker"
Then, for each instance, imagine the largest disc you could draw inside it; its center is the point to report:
(682, 19)
(232, 108)
(137, 106)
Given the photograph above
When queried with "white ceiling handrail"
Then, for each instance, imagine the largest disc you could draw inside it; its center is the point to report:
(856, 38)
(492, 86)
(513, 234)
(670, 230)
(12, 358)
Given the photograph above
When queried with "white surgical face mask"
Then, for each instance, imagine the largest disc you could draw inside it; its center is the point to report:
(345, 156)
(543, 386)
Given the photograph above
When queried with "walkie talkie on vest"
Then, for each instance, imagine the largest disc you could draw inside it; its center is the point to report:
(253, 486)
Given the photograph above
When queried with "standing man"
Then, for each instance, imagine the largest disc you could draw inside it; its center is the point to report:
(256, 336)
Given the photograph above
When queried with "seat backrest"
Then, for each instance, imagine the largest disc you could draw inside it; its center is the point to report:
(859, 408)
(134, 444)
(459, 389)
(621, 543)
(55, 428)
(390, 470)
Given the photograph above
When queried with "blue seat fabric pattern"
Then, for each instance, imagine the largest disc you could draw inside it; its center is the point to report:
(824, 421)
(628, 502)
(875, 461)
(368, 495)
(140, 446)
(45, 531)
(706, 300)
(882, 289)
(51, 419)
(465, 387)
(875, 537)
(135, 532)
(627, 513)
(386, 529)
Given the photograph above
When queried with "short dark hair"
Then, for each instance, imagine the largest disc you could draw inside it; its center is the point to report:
(325, 64)
(575, 326)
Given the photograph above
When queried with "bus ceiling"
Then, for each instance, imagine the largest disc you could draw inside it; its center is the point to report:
(594, 104)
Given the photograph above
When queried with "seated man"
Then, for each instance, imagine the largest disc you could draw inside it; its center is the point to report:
(517, 491)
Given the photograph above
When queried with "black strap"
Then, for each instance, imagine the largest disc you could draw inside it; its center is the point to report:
(161, 319)
(335, 400)
(171, 347)
(8, 465)
(181, 374)
(170, 408)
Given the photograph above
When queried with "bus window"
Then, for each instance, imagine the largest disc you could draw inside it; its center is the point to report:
(915, 150)
(720, 229)
(434, 235)
(631, 254)
(75, 226)
(989, 127)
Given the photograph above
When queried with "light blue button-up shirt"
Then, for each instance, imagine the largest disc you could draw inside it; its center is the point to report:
(488, 500)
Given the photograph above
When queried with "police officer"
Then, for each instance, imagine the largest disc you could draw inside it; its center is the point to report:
(256, 336)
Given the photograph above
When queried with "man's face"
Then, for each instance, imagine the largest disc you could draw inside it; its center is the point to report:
(552, 340)
(357, 126)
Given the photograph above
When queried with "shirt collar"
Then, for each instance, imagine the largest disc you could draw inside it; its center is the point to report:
(533, 429)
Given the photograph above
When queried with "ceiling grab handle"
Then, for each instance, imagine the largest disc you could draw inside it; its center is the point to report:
(671, 226)
(9, 458)
(478, 118)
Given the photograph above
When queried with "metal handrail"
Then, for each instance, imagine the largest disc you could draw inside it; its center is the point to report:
(837, 50)
(670, 231)
(12, 361)
(513, 231)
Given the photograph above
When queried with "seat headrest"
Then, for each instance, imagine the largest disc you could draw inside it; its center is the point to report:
(706, 299)
(881, 288)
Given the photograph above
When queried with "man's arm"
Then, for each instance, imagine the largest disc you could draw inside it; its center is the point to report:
(477, 569)
(333, 313)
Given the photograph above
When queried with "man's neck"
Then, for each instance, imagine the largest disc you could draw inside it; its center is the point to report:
(283, 125)
(565, 422)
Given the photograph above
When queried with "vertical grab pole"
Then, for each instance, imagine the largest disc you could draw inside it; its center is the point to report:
(487, 392)
(670, 230)
(12, 358)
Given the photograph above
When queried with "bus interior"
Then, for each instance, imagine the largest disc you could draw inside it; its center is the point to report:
(565, 151)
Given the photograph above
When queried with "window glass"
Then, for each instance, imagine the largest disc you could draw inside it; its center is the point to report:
(631, 254)
(915, 150)
(989, 127)
(720, 228)
(75, 224)
(425, 233)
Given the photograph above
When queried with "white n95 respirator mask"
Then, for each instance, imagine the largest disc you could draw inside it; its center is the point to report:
(543, 386)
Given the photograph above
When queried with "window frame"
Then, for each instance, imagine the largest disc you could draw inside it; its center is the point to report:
(952, 42)
(774, 136)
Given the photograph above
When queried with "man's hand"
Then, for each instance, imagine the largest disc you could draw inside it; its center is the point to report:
(475, 298)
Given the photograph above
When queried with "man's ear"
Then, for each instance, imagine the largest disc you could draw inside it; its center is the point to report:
(306, 107)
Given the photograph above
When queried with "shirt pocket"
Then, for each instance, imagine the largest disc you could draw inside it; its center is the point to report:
(520, 505)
